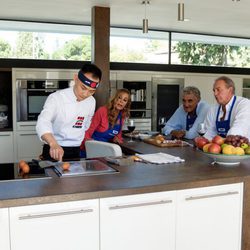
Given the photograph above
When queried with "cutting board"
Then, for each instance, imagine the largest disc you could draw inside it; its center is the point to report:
(167, 143)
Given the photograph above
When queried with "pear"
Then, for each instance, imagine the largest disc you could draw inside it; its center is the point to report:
(228, 150)
(239, 151)
(247, 150)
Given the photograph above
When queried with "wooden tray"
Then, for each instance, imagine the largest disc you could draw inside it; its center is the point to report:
(168, 143)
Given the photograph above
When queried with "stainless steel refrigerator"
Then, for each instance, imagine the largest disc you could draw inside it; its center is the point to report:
(166, 98)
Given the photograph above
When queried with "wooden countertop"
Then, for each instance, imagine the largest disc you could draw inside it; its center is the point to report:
(196, 171)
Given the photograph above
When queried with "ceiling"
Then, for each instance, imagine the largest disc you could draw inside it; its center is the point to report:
(222, 17)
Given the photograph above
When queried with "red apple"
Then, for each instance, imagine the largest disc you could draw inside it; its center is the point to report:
(218, 140)
(206, 146)
(214, 148)
(200, 141)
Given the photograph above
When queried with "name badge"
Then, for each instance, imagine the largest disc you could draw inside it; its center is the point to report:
(221, 129)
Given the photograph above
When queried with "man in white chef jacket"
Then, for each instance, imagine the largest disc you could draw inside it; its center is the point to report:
(231, 114)
(67, 114)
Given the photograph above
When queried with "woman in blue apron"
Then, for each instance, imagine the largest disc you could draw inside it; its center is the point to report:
(108, 120)
(223, 126)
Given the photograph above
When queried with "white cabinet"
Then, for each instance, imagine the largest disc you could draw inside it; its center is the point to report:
(59, 226)
(209, 218)
(28, 145)
(6, 147)
(144, 221)
(4, 229)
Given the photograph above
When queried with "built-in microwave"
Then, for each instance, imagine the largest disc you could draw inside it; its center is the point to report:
(32, 94)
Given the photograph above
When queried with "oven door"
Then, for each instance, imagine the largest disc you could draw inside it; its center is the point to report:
(35, 101)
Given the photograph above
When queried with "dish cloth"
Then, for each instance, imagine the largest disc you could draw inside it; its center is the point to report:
(160, 158)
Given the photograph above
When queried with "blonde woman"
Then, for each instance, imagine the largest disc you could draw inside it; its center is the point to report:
(108, 120)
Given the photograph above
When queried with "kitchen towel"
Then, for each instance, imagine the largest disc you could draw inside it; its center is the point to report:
(160, 158)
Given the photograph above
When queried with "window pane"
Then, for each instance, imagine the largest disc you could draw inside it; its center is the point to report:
(209, 50)
(26, 40)
(130, 45)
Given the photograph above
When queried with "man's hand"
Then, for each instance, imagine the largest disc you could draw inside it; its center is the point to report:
(56, 152)
(178, 133)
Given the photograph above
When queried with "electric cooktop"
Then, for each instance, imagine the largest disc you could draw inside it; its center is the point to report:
(10, 171)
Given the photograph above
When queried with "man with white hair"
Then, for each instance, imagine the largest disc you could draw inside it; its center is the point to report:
(231, 114)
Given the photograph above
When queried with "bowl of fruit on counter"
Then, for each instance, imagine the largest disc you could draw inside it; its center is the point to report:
(225, 151)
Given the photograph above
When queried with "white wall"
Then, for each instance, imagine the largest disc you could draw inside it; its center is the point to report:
(203, 81)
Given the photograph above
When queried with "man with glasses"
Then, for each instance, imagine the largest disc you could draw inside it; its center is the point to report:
(67, 114)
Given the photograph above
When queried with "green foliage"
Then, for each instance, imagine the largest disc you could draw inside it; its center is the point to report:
(5, 49)
(30, 45)
(24, 47)
(125, 55)
(77, 49)
(211, 54)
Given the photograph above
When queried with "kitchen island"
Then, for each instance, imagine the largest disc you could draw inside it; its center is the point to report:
(138, 180)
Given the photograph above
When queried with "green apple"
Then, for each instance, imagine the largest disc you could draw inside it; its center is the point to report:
(244, 145)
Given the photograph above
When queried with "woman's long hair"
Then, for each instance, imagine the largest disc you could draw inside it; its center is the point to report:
(112, 112)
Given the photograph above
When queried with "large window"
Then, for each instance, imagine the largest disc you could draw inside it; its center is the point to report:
(30, 40)
(44, 41)
(206, 50)
(131, 45)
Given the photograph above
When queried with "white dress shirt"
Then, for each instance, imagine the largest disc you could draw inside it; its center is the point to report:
(239, 122)
(65, 117)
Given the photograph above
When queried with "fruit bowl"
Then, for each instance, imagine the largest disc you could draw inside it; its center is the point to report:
(223, 159)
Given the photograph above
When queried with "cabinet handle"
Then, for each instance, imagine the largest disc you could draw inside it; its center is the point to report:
(140, 204)
(27, 134)
(27, 125)
(36, 216)
(5, 135)
(210, 196)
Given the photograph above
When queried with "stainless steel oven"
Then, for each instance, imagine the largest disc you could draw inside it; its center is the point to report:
(31, 95)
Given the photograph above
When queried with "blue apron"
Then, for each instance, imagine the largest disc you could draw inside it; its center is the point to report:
(223, 126)
(110, 133)
(107, 135)
(190, 121)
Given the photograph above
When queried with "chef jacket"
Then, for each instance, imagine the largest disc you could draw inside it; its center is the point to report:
(178, 120)
(239, 120)
(65, 117)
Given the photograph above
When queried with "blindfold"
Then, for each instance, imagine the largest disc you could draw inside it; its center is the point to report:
(87, 81)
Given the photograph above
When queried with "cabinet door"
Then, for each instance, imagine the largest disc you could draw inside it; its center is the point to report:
(6, 147)
(144, 221)
(59, 226)
(4, 229)
(28, 145)
(209, 218)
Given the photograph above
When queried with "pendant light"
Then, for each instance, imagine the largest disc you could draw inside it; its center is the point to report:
(181, 16)
(145, 20)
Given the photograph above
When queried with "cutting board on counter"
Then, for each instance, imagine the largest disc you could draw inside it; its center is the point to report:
(166, 143)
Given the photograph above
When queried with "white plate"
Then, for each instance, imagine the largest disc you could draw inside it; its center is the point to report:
(227, 159)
